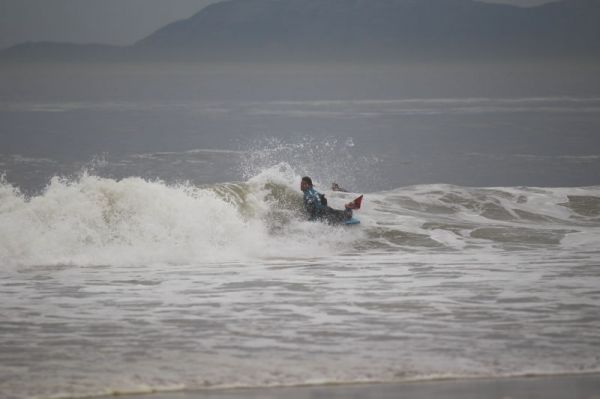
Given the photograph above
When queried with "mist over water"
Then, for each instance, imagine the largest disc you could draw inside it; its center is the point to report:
(152, 235)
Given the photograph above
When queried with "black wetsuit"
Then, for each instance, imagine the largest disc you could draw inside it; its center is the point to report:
(316, 210)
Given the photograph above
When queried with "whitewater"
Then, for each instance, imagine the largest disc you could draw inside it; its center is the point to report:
(129, 285)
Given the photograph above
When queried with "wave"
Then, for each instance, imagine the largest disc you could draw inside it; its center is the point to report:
(455, 217)
(91, 220)
(333, 108)
(95, 220)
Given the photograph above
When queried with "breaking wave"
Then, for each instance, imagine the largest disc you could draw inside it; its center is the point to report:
(91, 220)
(96, 220)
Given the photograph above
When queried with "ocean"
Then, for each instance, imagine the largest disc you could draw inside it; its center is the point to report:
(152, 237)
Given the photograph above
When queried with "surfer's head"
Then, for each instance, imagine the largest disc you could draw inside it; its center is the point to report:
(306, 183)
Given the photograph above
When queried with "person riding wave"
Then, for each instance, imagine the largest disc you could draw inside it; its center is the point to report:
(315, 205)
(336, 187)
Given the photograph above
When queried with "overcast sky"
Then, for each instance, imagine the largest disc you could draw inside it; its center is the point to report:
(102, 21)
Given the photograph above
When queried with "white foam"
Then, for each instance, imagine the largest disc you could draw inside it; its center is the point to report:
(296, 304)
(93, 220)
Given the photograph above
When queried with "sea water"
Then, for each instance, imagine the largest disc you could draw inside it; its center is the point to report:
(153, 244)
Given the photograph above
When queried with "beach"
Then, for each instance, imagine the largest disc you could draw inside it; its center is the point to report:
(585, 386)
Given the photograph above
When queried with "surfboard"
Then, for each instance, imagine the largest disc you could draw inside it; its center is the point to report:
(352, 220)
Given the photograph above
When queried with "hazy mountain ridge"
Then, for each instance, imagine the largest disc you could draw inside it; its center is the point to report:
(258, 30)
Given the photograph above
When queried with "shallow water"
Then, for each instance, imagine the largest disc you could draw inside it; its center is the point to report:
(106, 289)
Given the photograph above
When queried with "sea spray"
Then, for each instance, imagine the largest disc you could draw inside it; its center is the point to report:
(326, 160)
(92, 220)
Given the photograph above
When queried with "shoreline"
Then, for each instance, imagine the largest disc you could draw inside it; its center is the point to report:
(571, 386)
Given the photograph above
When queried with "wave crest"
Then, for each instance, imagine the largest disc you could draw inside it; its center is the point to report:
(92, 220)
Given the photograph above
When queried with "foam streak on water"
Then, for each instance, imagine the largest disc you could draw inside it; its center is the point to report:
(134, 285)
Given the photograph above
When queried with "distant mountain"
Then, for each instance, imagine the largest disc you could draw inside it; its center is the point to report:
(374, 30)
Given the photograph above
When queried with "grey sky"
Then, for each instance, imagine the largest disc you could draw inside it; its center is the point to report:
(102, 21)
(89, 21)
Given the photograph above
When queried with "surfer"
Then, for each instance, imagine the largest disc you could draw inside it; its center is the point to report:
(336, 187)
(315, 205)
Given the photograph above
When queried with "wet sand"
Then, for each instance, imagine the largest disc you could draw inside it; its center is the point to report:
(586, 386)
